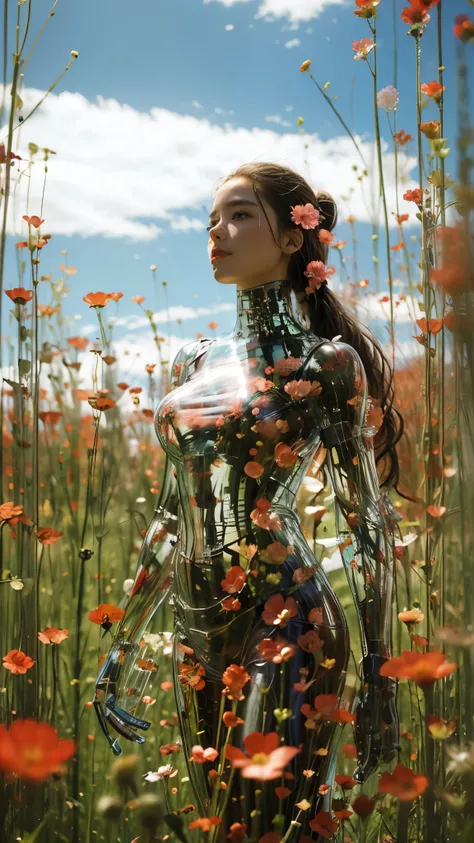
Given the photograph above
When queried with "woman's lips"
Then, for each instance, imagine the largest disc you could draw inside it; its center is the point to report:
(218, 256)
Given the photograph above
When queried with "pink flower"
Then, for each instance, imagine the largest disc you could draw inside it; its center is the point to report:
(200, 755)
(310, 641)
(305, 215)
(265, 759)
(388, 98)
(285, 365)
(317, 272)
(301, 575)
(362, 48)
(297, 389)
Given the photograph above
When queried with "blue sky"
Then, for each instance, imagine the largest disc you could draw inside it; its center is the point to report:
(167, 97)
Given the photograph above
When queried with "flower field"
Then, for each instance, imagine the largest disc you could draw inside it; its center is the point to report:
(81, 469)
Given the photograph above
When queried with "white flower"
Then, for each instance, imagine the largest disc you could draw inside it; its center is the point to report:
(127, 586)
(388, 98)
(161, 773)
(462, 760)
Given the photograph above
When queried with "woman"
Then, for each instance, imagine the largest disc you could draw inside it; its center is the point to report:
(261, 644)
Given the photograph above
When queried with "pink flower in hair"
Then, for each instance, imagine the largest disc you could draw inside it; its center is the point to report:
(317, 272)
(305, 215)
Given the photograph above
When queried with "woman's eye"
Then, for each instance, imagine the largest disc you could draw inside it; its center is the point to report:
(208, 228)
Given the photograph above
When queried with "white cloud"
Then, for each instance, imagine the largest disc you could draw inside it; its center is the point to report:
(294, 10)
(125, 173)
(295, 42)
(196, 104)
(277, 118)
(172, 314)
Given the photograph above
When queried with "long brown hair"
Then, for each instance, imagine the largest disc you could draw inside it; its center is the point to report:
(282, 188)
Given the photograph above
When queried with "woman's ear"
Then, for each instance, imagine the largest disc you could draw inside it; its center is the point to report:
(293, 240)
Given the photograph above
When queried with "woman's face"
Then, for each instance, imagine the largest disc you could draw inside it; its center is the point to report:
(241, 230)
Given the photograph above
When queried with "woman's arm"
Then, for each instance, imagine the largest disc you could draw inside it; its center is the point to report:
(365, 527)
(123, 675)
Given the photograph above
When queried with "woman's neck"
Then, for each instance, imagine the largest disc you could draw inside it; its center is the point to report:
(265, 311)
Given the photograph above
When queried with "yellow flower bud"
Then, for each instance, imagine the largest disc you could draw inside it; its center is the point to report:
(305, 66)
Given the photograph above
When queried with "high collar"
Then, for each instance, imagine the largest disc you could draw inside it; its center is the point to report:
(266, 310)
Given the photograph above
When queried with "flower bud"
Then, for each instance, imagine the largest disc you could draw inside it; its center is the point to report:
(149, 810)
(124, 771)
(305, 66)
(110, 807)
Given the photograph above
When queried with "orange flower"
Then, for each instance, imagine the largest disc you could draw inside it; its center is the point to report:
(305, 66)
(278, 611)
(284, 456)
(48, 536)
(231, 720)
(17, 662)
(138, 299)
(430, 129)
(415, 196)
(32, 750)
(411, 616)
(349, 750)
(262, 518)
(276, 650)
(52, 635)
(213, 325)
(19, 295)
(234, 678)
(235, 580)
(277, 552)
(424, 668)
(264, 760)
(326, 708)
(13, 514)
(402, 138)
(455, 272)
(324, 824)
(205, 823)
(78, 342)
(366, 8)
(403, 783)
(96, 299)
(433, 90)
(436, 511)
(440, 729)
(253, 469)
(201, 755)
(33, 220)
(106, 613)
(463, 28)
(50, 417)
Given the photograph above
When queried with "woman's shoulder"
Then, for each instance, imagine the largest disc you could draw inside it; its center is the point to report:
(333, 356)
(187, 359)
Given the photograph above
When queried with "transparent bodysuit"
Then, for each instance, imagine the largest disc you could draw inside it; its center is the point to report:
(258, 628)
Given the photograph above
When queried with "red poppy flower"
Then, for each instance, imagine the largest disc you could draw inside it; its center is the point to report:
(278, 611)
(346, 782)
(324, 824)
(424, 668)
(264, 760)
(19, 295)
(363, 805)
(231, 720)
(106, 613)
(403, 783)
(234, 580)
(32, 750)
(33, 220)
(201, 755)
(115, 296)
(96, 299)
(276, 650)
(48, 536)
(17, 662)
(415, 196)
